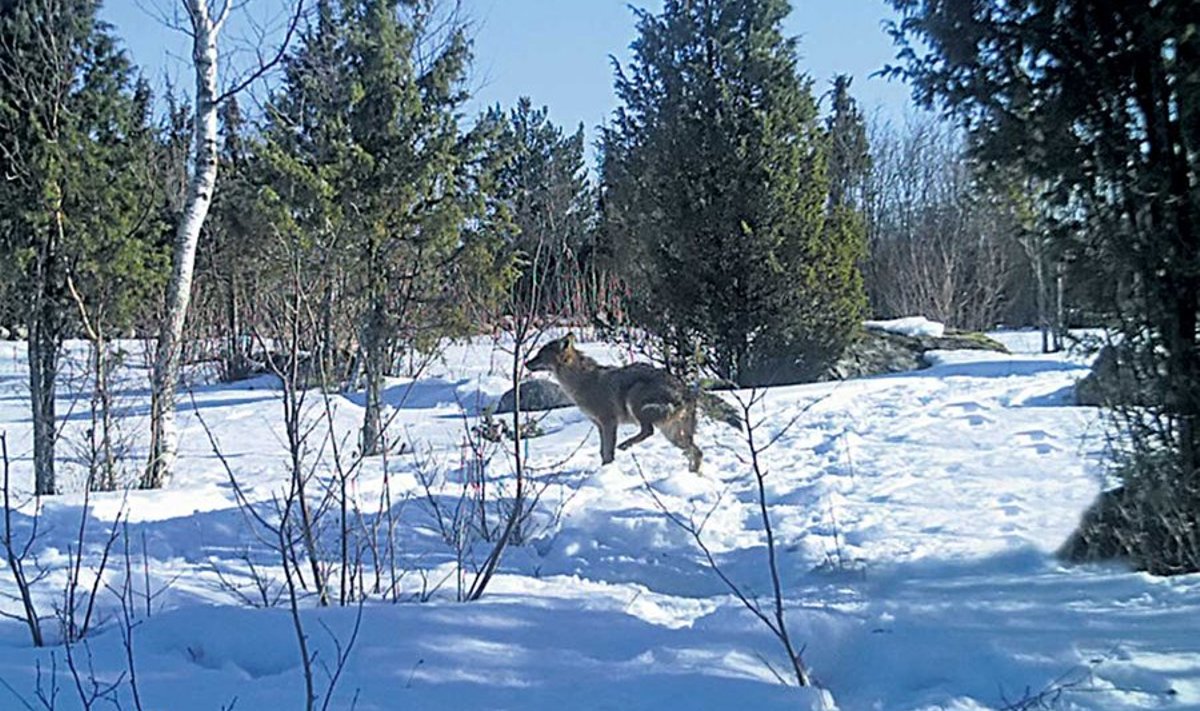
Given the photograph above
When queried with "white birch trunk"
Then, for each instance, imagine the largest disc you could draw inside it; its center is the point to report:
(164, 435)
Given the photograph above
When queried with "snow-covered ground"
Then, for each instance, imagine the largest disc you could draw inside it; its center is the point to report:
(916, 515)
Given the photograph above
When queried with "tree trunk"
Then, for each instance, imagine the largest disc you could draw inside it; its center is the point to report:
(1039, 282)
(43, 367)
(103, 474)
(1060, 312)
(164, 436)
(236, 355)
(374, 350)
(43, 341)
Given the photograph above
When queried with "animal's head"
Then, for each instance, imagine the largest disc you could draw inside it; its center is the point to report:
(554, 354)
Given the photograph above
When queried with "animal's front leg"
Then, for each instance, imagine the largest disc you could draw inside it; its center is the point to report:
(608, 441)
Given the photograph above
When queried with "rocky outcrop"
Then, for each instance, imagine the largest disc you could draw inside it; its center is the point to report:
(536, 394)
(878, 352)
(1114, 381)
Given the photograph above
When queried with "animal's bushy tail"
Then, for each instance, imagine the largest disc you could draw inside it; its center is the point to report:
(715, 408)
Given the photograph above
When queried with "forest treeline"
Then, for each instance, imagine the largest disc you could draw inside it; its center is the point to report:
(741, 217)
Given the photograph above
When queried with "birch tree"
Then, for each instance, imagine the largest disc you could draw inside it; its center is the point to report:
(164, 435)
(205, 25)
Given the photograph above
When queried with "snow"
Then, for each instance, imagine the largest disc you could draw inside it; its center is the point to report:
(908, 326)
(915, 514)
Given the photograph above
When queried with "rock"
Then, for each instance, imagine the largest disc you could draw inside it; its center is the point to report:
(1103, 530)
(536, 394)
(1113, 382)
(4, 334)
(878, 352)
(1146, 525)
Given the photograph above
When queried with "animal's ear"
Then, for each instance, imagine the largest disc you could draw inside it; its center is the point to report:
(569, 340)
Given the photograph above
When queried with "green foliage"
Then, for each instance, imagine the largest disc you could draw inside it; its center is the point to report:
(849, 149)
(1099, 104)
(79, 201)
(413, 172)
(365, 175)
(716, 196)
(77, 211)
(541, 184)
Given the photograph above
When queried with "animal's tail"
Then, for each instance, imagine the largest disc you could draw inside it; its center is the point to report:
(715, 408)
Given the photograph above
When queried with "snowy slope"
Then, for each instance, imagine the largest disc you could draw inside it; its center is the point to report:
(915, 513)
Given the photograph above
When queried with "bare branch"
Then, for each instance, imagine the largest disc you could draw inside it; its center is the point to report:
(268, 65)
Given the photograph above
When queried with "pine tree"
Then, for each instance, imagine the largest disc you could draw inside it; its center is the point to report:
(716, 191)
(72, 127)
(366, 169)
(542, 181)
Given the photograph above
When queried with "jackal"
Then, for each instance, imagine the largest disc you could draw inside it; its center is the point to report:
(638, 393)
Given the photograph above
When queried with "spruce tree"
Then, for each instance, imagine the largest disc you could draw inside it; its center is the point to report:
(845, 231)
(366, 167)
(542, 181)
(416, 185)
(232, 255)
(715, 194)
(73, 126)
(849, 149)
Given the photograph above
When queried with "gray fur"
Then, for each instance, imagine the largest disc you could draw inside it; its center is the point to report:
(638, 393)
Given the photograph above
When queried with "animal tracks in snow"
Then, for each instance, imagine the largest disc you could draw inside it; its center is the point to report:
(1039, 441)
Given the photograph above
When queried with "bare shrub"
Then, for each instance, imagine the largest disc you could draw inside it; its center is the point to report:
(940, 245)
(772, 614)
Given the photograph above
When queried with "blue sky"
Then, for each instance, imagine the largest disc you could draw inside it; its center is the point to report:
(557, 51)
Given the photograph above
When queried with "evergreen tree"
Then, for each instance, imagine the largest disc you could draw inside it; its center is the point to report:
(1100, 103)
(845, 231)
(417, 184)
(232, 253)
(366, 169)
(542, 181)
(72, 126)
(716, 192)
(118, 260)
(849, 150)
(305, 166)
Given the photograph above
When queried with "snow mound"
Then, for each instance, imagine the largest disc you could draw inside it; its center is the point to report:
(909, 326)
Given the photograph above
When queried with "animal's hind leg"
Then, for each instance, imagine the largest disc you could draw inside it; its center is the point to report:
(646, 431)
(679, 432)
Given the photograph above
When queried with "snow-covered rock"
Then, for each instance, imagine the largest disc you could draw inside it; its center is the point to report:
(877, 352)
(536, 394)
(908, 326)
